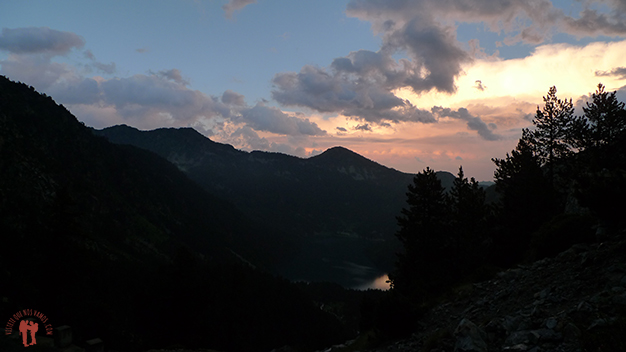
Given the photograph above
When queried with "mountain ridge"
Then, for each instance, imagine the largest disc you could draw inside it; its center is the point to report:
(118, 243)
(336, 194)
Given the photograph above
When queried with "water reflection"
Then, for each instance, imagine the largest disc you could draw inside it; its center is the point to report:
(379, 283)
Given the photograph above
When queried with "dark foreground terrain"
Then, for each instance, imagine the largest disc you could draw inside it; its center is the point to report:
(573, 302)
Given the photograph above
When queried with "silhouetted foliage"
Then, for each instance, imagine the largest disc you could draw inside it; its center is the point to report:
(564, 164)
(559, 233)
(468, 224)
(606, 118)
(424, 229)
(549, 138)
(443, 235)
(527, 199)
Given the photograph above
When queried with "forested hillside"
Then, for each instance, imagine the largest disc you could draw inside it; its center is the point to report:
(118, 243)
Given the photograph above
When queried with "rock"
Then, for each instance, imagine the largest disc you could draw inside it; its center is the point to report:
(94, 345)
(543, 294)
(601, 298)
(469, 338)
(618, 267)
(548, 335)
(62, 336)
(523, 337)
(585, 307)
(619, 299)
(571, 333)
(597, 323)
(541, 307)
(551, 323)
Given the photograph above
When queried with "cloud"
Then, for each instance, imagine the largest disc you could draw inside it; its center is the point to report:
(271, 119)
(594, 23)
(109, 68)
(142, 50)
(617, 71)
(39, 40)
(37, 71)
(173, 75)
(233, 98)
(325, 91)
(235, 5)
(364, 127)
(105, 68)
(420, 52)
(145, 100)
(473, 123)
(479, 85)
(531, 22)
(141, 96)
(248, 139)
(341, 129)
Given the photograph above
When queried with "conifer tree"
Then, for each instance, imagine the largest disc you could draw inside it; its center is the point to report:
(606, 117)
(423, 230)
(550, 137)
(468, 215)
(527, 199)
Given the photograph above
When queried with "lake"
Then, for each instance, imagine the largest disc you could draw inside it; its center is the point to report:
(338, 259)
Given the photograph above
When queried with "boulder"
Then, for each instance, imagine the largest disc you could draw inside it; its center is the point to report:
(469, 338)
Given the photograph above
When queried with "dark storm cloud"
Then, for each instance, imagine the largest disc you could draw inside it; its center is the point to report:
(473, 123)
(235, 5)
(271, 119)
(39, 40)
(617, 71)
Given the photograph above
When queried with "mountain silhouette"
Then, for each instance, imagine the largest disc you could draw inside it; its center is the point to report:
(336, 193)
(118, 243)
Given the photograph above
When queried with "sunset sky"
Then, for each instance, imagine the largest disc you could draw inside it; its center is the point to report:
(408, 84)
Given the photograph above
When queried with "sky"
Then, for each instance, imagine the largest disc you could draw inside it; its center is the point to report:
(409, 84)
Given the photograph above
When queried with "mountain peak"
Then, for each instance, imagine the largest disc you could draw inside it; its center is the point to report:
(338, 152)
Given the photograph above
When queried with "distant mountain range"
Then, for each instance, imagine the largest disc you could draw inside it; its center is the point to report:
(338, 206)
(336, 192)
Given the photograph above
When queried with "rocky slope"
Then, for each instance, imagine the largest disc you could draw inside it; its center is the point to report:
(573, 302)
